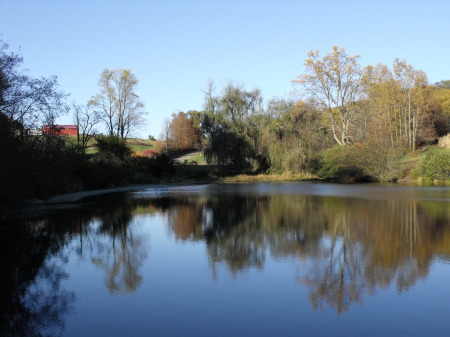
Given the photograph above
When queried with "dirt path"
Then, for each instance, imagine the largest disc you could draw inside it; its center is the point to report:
(187, 156)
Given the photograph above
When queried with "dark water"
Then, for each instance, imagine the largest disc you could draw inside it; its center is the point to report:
(285, 259)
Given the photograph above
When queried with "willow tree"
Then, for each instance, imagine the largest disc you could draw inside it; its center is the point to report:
(334, 82)
(231, 126)
(117, 104)
(291, 134)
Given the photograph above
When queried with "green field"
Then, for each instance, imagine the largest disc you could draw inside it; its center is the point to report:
(136, 144)
(140, 145)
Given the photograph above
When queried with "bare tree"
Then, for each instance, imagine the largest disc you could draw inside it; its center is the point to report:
(118, 106)
(86, 120)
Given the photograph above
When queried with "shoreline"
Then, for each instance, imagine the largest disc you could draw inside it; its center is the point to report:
(35, 207)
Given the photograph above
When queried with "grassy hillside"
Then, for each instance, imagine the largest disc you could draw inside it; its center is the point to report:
(136, 144)
(140, 145)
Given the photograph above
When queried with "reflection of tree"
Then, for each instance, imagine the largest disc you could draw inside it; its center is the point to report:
(336, 277)
(352, 246)
(122, 253)
(185, 221)
(293, 225)
(121, 260)
(370, 244)
(32, 302)
(232, 232)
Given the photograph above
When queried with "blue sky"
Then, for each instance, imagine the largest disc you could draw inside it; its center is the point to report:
(175, 47)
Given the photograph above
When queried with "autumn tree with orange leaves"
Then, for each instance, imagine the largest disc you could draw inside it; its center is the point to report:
(182, 133)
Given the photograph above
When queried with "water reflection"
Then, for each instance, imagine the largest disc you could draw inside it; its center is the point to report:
(32, 301)
(342, 249)
(33, 254)
(118, 251)
(352, 246)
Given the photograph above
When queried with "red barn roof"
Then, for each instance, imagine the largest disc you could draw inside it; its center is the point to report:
(70, 130)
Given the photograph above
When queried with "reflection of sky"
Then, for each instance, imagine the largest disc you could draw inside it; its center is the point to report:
(179, 293)
(181, 296)
(361, 191)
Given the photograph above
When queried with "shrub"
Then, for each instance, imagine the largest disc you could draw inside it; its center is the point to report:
(115, 146)
(149, 153)
(161, 165)
(340, 163)
(103, 170)
(359, 162)
(435, 165)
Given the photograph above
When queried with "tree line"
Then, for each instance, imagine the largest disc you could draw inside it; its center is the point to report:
(352, 123)
(36, 163)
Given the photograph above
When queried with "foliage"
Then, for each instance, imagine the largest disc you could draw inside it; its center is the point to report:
(399, 106)
(435, 166)
(104, 170)
(338, 163)
(291, 135)
(376, 115)
(182, 133)
(161, 165)
(30, 166)
(359, 162)
(34, 166)
(441, 110)
(149, 153)
(115, 146)
(334, 81)
(24, 99)
(230, 122)
(443, 84)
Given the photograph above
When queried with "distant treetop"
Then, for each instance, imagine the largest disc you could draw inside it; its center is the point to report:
(443, 84)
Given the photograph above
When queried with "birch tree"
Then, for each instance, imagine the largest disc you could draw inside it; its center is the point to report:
(416, 97)
(334, 81)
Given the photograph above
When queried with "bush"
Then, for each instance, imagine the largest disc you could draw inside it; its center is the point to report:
(359, 162)
(435, 165)
(149, 153)
(340, 163)
(161, 165)
(103, 170)
(33, 166)
(115, 146)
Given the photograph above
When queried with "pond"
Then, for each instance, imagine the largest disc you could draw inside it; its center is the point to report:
(263, 259)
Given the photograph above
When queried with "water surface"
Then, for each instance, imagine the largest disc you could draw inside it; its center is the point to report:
(266, 259)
